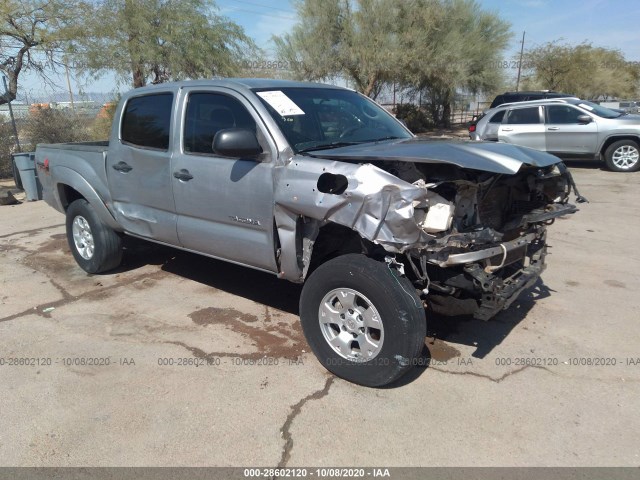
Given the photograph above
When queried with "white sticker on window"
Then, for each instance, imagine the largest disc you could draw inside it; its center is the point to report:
(585, 106)
(281, 103)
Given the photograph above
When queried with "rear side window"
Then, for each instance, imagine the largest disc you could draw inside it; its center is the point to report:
(147, 120)
(497, 118)
(523, 116)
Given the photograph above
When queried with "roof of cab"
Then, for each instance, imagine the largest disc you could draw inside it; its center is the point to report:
(236, 84)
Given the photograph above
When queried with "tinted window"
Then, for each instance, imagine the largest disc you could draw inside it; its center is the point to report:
(146, 121)
(207, 114)
(497, 118)
(562, 114)
(523, 116)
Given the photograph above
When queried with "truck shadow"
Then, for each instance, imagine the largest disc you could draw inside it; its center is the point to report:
(443, 333)
(244, 282)
(485, 335)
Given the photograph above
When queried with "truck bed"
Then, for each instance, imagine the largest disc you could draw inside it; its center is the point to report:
(80, 166)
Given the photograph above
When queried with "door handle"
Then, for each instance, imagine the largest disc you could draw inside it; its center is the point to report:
(507, 129)
(122, 167)
(183, 175)
(553, 128)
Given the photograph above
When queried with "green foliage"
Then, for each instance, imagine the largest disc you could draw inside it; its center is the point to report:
(355, 40)
(6, 147)
(416, 119)
(583, 70)
(154, 41)
(47, 125)
(452, 45)
(433, 46)
(101, 128)
(32, 35)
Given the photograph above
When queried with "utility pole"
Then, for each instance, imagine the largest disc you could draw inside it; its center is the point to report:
(66, 69)
(13, 120)
(520, 62)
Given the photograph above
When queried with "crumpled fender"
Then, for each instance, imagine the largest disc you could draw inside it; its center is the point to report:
(374, 203)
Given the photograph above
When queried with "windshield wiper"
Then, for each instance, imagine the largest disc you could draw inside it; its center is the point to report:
(327, 146)
(390, 137)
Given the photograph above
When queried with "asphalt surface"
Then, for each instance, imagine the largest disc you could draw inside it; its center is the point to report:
(178, 360)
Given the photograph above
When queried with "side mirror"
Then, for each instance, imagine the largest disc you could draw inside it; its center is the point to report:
(236, 142)
(584, 119)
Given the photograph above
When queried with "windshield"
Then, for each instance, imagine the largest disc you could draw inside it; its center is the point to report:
(316, 118)
(597, 109)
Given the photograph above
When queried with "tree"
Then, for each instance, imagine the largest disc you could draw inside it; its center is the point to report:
(583, 70)
(32, 34)
(154, 41)
(451, 45)
(431, 46)
(355, 40)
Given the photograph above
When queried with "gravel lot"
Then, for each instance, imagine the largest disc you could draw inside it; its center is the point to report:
(178, 360)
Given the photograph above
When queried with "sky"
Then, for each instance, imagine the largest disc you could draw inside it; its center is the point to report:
(604, 23)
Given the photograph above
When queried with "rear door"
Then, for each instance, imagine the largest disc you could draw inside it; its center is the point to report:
(523, 126)
(493, 125)
(226, 208)
(139, 168)
(565, 135)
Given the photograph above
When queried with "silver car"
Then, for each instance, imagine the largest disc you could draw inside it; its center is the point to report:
(566, 127)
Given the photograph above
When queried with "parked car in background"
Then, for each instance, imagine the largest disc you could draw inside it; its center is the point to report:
(630, 107)
(512, 97)
(566, 127)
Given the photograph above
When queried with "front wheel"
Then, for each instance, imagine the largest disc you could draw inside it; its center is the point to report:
(362, 320)
(95, 246)
(623, 156)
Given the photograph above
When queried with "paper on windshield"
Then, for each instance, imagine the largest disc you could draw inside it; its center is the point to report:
(585, 106)
(281, 103)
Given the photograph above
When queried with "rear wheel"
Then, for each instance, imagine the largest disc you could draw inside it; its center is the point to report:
(363, 320)
(623, 156)
(95, 246)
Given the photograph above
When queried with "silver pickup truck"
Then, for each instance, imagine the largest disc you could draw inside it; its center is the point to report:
(315, 184)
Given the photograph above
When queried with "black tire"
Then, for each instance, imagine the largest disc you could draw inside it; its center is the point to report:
(106, 253)
(16, 174)
(623, 156)
(399, 309)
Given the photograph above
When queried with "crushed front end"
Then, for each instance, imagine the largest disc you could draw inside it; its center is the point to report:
(487, 234)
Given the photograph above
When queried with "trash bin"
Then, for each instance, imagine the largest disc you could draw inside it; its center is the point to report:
(26, 164)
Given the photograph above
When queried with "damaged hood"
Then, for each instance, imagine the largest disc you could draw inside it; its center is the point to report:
(486, 156)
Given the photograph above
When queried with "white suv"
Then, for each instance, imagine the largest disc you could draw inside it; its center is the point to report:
(566, 127)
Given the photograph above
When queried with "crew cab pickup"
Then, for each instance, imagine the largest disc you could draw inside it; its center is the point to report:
(318, 185)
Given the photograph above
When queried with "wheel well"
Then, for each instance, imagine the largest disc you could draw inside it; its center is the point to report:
(335, 240)
(68, 195)
(611, 140)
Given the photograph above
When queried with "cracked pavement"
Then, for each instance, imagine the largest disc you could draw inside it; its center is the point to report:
(180, 360)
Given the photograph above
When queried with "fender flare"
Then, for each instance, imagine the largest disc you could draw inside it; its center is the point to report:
(76, 181)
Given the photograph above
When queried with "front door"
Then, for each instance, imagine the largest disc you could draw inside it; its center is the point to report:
(566, 135)
(224, 205)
